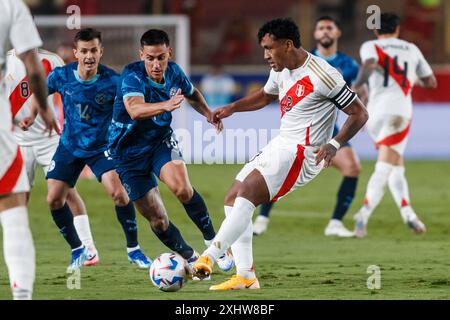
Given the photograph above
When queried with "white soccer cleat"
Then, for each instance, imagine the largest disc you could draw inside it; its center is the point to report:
(417, 226)
(360, 225)
(336, 228)
(260, 225)
(94, 259)
(225, 261)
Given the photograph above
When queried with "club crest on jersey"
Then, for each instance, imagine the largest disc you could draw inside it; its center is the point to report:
(102, 98)
(173, 91)
(300, 90)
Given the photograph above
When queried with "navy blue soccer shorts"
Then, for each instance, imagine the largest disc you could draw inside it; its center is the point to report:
(138, 175)
(66, 167)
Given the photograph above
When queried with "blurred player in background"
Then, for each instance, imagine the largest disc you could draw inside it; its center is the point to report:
(88, 91)
(392, 66)
(38, 147)
(327, 33)
(144, 145)
(218, 86)
(17, 27)
(310, 93)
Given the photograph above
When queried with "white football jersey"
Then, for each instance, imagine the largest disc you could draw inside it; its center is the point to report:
(19, 93)
(309, 98)
(18, 28)
(400, 63)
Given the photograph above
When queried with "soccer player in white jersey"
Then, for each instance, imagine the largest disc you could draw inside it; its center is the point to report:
(310, 93)
(392, 66)
(17, 27)
(36, 146)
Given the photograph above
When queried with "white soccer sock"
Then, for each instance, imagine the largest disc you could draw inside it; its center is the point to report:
(375, 187)
(242, 250)
(18, 249)
(232, 228)
(399, 189)
(83, 228)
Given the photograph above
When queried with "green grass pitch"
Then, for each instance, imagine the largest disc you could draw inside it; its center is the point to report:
(294, 260)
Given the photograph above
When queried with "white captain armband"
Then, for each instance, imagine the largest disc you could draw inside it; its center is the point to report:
(344, 98)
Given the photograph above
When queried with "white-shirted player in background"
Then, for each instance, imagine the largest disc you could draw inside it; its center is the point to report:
(36, 146)
(310, 93)
(392, 66)
(17, 27)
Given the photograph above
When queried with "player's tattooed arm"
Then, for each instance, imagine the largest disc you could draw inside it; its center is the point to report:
(364, 73)
(357, 117)
(198, 102)
(254, 101)
(138, 109)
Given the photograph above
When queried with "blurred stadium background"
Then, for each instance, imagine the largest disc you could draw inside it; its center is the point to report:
(207, 34)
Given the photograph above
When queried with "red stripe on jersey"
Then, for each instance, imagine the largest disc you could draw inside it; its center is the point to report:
(9, 179)
(395, 71)
(295, 94)
(395, 138)
(17, 98)
(307, 142)
(293, 173)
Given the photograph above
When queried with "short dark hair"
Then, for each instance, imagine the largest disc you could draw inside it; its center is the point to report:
(87, 34)
(154, 37)
(281, 29)
(328, 18)
(388, 23)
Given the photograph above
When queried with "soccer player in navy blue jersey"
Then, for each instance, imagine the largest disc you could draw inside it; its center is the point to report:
(88, 91)
(327, 33)
(145, 147)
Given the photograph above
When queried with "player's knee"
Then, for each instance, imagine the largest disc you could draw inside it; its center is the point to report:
(230, 197)
(184, 194)
(353, 170)
(119, 198)
(55, 202)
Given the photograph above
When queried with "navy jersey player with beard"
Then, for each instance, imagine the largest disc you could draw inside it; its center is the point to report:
(88, 91)
(143, 143)
(327, 33)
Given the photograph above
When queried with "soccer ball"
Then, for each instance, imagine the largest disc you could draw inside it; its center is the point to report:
(168, 272)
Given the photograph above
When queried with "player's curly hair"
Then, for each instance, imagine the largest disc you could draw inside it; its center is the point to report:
(388, 23)
(154, 37)
(281, 29)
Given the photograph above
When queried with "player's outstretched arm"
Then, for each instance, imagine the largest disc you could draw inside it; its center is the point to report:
(138, 109)
(198, 102)
(357, 117)
(254, 101)
(429, 82)
(364, 73)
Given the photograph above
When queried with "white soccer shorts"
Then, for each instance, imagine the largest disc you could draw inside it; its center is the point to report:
(389, 130)
(13, 176)
(40, 154)
(284, 165)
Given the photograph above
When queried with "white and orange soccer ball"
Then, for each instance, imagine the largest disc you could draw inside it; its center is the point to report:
(168, 272)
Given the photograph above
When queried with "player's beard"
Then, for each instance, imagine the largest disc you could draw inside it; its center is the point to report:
(326, 42)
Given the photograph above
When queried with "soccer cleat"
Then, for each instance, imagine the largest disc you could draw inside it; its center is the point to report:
(237, 283)
(202, 268)
(93, 257)
(225, 261)
(79, 256)
(190, 267)
(336, 228)
(260, 225)
(416, 226)
(139, 258)
(360, 226)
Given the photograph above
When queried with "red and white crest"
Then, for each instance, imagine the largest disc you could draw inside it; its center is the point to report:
(300, 90)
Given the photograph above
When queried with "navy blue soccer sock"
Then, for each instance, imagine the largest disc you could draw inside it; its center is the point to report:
(197, 211)
(265, 209)
(64, 220)
(345, 197)
(127, 218)
(174, 241)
